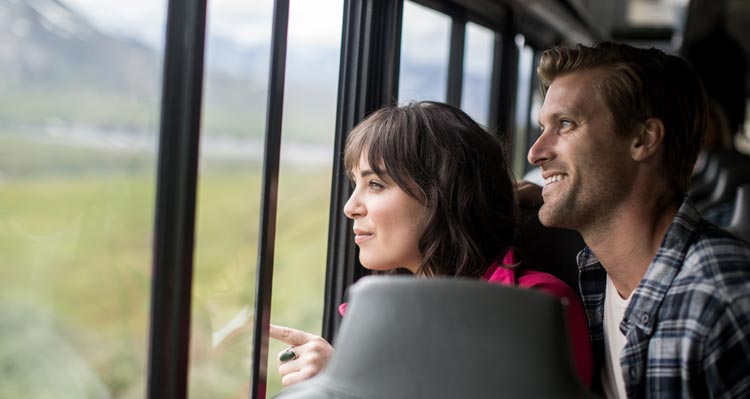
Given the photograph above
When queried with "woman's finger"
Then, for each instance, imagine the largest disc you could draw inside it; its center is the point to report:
(289, 367)
(293, 378)
(289, 335)
(310, 359)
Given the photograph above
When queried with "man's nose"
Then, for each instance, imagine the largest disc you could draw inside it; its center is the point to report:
(541, 151)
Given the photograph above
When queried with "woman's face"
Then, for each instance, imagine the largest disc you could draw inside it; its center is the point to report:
(387, 221)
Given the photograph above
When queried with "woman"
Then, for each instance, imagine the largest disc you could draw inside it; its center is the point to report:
(432, 197)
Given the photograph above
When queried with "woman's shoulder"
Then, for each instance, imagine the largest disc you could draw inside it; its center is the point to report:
(545, 282)
(508, 271)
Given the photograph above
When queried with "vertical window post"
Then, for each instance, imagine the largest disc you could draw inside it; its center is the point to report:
(175, 200)
(504, 81)
(456, 59)
(267, 233)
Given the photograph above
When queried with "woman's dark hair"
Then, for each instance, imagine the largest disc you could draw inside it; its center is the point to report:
(438, 155)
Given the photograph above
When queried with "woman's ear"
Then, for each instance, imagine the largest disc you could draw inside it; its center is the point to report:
(648, 140)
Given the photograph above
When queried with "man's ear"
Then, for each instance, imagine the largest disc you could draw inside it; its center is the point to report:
(648, 140)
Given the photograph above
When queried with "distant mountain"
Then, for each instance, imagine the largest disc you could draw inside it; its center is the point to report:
(227, 57)
(58, 67)
(45, 43)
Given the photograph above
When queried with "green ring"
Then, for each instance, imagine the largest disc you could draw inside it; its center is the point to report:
(287, 354)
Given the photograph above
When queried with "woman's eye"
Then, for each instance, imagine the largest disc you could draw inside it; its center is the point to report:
(375, 185)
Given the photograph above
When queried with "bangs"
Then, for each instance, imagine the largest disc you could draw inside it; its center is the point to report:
(359, 143)
(384, 142)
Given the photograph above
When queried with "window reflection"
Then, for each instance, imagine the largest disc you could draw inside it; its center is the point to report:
(424, 54)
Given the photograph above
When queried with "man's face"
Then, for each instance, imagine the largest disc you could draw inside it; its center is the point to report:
(587, 168)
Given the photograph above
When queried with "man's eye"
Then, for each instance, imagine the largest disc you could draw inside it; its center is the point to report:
(564, 123)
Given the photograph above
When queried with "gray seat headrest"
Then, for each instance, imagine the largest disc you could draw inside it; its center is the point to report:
(404, 337)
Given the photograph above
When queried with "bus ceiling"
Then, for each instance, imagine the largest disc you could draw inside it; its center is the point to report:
(665, 24)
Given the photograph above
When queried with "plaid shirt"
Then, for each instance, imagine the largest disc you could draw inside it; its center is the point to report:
(688, 322)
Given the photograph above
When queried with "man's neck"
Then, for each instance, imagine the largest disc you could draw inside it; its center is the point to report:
(627, 245)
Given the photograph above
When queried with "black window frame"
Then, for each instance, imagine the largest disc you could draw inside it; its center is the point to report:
(368, 80)
(174, 224)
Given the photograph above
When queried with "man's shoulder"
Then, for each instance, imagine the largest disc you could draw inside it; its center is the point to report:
(711, 284)
(712, 246)
(718, 260)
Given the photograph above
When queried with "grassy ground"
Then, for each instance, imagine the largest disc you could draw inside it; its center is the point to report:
(75, 248)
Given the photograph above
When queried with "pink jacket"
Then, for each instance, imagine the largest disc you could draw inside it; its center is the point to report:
(579, 332)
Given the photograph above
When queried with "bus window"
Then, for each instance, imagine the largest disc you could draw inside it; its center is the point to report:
(304, 196)
(78, 142)
(477, 79)
(523, 98)
(228, 198)
(534, 107)
(425, 39)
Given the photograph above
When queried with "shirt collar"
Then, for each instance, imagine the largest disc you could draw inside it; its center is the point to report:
(651, 291)
(587, 260)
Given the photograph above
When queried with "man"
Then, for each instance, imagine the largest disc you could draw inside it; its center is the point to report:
(667, 294)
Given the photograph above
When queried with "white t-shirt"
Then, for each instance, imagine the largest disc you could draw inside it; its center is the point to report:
(614, 340)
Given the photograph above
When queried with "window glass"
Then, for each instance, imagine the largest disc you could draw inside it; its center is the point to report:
(425, 40)
(523, 99)
(656, 13)
(79, 117)
(535, 106)
(238, 38)
(313, 55)
(477, 80)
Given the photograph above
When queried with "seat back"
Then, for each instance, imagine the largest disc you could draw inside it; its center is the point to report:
(740, 223)
(701, 185)
(704, 185)
(404, 337)
(730, 177)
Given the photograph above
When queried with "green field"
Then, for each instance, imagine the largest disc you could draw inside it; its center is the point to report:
(75, 242)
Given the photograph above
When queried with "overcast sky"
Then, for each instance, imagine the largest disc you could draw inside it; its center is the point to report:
(245, 21)
(248, 22)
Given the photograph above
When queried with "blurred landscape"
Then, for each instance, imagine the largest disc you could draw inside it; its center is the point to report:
(79, 121)
(59, 70)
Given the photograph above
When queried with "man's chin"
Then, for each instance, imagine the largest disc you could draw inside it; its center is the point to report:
(551, 217)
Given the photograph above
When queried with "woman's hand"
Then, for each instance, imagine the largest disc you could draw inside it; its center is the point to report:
(311, 354)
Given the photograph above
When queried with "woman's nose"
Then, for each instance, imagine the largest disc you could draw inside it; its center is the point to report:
(354, 206)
